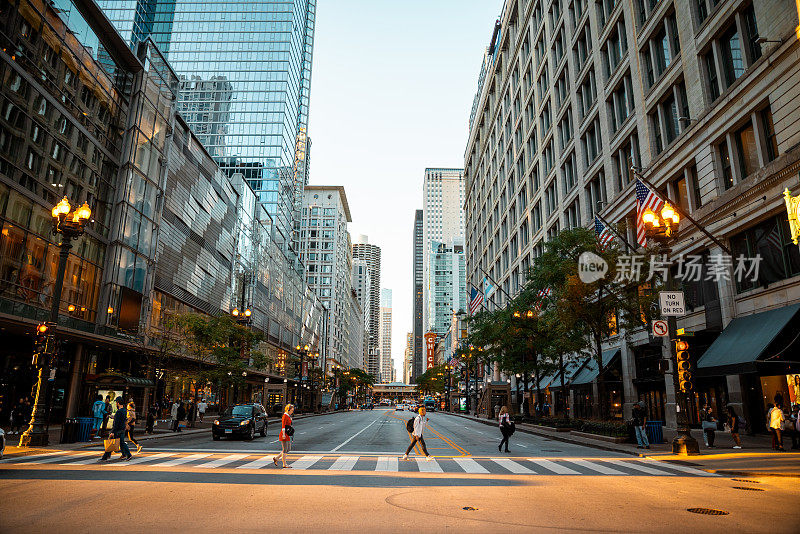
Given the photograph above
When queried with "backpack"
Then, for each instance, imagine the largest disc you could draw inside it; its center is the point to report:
(410, 425)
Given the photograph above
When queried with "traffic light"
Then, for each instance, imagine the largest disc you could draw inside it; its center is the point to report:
(684, 366)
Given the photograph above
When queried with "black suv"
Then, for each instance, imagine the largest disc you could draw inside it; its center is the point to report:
(240, 420)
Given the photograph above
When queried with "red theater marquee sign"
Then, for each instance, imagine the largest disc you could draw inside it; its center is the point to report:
(430, 349)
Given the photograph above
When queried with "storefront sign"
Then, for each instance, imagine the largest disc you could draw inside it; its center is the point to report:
(430, 349)
(672, 303)
(792, 208)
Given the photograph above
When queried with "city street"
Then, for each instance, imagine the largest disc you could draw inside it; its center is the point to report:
(347, 465)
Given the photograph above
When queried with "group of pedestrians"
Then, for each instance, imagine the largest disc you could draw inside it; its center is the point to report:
(189, 410)
(122, 428)
(21, 415)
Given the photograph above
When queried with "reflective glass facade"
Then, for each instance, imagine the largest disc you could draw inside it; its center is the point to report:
(245, 79)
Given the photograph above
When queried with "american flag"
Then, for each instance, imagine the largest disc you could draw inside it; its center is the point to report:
(540, 295)
(475, 301)
(645, 199)
(604, 235)
(774, 238)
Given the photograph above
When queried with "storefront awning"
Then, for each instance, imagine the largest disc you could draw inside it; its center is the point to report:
(590, 370)
(107, 379)
(746, 338)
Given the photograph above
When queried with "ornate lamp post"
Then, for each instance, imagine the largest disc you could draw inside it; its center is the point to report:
(303, 351)
(71, 225)
(659, 227)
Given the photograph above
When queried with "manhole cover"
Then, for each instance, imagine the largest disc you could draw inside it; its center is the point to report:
(747, 489)
(706, 511)
(469, 508)
(745, 480)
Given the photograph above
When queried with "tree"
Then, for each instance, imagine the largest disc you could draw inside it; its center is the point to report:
(586, 313)
(432, 380)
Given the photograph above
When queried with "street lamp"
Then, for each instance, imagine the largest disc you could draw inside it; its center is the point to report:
(659, 227)
(71, 225)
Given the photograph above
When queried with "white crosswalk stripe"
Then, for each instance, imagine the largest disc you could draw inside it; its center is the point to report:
(181, 460)
(555, 467)
(387, 463)
(636, 465)
(35, 458)
(142, 459)
(428, 465)
(596, 467)
(223, 461)
(305, 462)
(257, 464)
(513, 466)
(470, 466)
(344, 463)
(93, 458)
(685, 469)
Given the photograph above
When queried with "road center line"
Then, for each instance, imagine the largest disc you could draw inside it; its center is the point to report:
(348, 440)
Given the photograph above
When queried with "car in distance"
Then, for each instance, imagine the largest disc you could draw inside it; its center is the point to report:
(240, 420)
(399, 408)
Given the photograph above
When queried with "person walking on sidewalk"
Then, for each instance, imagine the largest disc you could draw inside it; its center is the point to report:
(18, 417)
(709, 425)
(285, 436)
(504, 419)
(640, 425)
(118, 432)
(130, 424)
(98, 411)
(107, 414)
(173, 415)
(776, 420)
(735, 424)
(201, 409)
(181, 415)
(419, 424)
(191, 413)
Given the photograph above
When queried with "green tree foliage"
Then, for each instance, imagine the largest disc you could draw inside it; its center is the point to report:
(432, 380)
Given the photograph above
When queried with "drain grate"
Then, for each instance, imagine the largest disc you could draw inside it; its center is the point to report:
(469, 508)
(747, 488)
(745, 480)
(706, 511)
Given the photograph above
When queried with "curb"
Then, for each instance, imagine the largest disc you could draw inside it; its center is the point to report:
(554, 437)
(751, 473)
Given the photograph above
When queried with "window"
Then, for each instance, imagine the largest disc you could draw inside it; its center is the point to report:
(551, 198)
(732, 59)
(725, 162)
(615, 47)
(686, 189)
(604, 10)
(769, 134)
(595, 194)
(746, 146)
(570, 171)
(572, 216)
(565, 129)
(591, 142)
(620, 106)
(583, 48)
(536, 217)
(711, 72)
(780, 258)
(626, 155)
(751, 33)
(587, 93)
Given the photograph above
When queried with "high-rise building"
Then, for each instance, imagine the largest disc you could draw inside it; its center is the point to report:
(445, 292)
(693, 94)
(443, 222)
(362, 285)
(245, 81)
(408, 358)
(419, 271)
(386, 335)
(371, 254)
(325, 251)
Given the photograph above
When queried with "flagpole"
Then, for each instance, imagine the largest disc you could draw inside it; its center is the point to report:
(680, 211)
(614, 230)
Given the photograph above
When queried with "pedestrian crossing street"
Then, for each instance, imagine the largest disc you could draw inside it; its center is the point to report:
(374, 463)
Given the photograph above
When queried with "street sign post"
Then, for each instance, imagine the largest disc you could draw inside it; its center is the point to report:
(660, 328)
(672, 303)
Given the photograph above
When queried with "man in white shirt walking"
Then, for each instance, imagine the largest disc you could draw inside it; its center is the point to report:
(201, 409)
(420, 422)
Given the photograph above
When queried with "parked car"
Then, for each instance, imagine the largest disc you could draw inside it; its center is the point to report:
(2, 443)
(241, 420)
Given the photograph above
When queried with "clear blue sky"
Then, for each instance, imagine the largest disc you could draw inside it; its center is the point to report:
(391, 91)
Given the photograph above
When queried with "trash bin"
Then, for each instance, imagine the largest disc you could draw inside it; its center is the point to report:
(83, 429)
(68, 430)
(655, 432)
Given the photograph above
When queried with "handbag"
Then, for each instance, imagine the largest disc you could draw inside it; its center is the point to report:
(709, 425)
(112, 445)
(289, 431)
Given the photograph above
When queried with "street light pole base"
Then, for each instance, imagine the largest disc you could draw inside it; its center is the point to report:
(685, 445)
(34, 439)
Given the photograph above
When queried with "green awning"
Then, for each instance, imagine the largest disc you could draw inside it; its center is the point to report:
(590, 370)
(745, 339)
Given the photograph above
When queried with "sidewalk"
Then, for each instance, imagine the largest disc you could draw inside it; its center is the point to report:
(161, 430)
(756, 458)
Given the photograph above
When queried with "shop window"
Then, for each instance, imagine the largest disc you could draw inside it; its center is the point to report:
(771, 240)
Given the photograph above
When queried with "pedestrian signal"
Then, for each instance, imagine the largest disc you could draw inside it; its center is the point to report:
(684, 366)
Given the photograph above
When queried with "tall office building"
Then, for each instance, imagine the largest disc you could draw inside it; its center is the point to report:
(408, 358)
(446, 294)
(362, 285)
(417, 331)
(371, 254)
(442, 222)
(325, 251)
(245, 80)
(386, 363)
(695, 95)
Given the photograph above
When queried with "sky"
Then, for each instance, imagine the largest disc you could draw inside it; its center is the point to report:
(391, 92)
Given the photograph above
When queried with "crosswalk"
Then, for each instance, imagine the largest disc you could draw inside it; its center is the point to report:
(390, 464)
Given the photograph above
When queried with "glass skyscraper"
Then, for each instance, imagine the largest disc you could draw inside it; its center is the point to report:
(245, 78)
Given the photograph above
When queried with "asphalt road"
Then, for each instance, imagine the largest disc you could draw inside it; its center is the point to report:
(348, 477)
